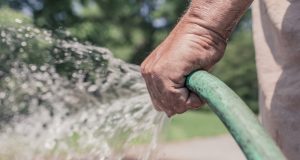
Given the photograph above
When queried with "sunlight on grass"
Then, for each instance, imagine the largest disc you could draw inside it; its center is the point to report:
(193, 124)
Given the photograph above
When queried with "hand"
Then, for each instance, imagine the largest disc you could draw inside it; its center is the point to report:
(189, 47)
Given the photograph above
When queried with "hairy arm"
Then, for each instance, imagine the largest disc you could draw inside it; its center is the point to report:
(219, 16)
(198, 41)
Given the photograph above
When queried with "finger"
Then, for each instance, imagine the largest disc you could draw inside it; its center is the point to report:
(179, 97)
(194, 101)
(179, 109)
(152, 92)
(155, 103)
(161, 94)
(170, 113)
(151, 82)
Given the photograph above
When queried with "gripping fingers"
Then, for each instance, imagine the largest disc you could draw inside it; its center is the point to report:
(194, 101)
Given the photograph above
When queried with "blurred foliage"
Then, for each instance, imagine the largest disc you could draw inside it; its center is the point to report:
(132, 28)
(237, 68)
(9, 17)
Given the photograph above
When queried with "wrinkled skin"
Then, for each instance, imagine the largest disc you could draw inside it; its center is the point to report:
(189, 47)
(196, 43)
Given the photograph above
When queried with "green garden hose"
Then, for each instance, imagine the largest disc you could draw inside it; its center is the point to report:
(236, 115)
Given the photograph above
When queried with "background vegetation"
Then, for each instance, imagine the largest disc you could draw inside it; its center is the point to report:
(131, 29)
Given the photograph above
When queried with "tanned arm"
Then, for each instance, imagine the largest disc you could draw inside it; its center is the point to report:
(198, 41)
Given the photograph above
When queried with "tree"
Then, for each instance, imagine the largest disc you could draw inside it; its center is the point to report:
(130, 28)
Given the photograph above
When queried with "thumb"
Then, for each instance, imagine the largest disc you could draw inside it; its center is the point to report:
(194, 101)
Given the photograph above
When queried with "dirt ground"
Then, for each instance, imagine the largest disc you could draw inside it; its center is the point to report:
(213, 148)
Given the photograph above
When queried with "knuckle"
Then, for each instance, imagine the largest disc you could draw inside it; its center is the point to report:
(144, 71)
(143, 65)
(144, 68)
(156, 70)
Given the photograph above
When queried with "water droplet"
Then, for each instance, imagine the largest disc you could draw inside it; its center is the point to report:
(92, 88)
(18, 21)
(3, 34)
(23, 44)
(43, 68)
(33, 67)
(2, 95)
(36, 30)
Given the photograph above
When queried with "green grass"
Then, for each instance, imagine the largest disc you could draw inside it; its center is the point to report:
(193, 124)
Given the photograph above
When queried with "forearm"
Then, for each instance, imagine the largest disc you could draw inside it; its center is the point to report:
(219, 16)
(198, 41)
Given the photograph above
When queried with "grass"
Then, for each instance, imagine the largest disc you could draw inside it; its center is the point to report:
(193, 124)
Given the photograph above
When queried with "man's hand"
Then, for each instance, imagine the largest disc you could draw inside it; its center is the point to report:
(189, 47)
(192, 45)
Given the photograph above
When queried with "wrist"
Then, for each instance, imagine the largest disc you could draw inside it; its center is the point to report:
(218, 16)
(203, 45)
(202, 35)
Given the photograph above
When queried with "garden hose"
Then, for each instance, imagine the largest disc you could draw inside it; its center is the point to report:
(236, 115)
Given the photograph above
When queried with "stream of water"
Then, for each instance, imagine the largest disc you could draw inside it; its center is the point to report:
(61, 99)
